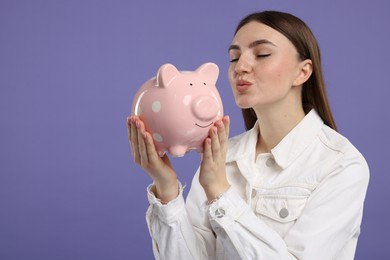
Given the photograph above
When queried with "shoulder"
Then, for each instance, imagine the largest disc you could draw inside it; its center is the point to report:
(348, 155)
(338, 142)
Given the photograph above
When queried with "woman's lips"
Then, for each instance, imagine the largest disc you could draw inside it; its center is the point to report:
(243, 85)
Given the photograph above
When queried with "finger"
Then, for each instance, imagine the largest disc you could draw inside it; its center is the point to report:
(221, 133)
(141, 143)
(129, 123)
(215, 147)
(150, 148)
(226, 123)
(129, 119)
(134, 141)
(207, 155)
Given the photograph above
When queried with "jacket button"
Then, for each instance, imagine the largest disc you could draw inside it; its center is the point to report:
(283, 213)
(253, 194)
(270, 162)
(219, 213)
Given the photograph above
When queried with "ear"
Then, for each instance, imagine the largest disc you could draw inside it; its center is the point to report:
(165, 75)
(305, 70)
(209, 71)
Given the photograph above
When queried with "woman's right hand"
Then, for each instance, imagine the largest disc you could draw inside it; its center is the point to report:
(145, 154)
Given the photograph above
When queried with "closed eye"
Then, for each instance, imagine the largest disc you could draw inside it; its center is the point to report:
(257, 56)
(263, 55)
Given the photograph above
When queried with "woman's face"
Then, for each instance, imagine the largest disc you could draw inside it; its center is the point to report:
(264, 66)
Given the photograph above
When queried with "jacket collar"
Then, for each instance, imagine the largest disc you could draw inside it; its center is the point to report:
(288, 149)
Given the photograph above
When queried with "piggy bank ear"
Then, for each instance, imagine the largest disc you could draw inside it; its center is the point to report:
(209, 71)
(165, 75)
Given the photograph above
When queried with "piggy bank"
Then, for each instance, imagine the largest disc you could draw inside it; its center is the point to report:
(178, 108)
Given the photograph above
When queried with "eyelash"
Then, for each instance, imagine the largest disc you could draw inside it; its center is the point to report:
(263, 56)
(257, 56)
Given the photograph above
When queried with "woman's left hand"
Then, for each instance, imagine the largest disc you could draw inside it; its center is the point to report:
(212, 169)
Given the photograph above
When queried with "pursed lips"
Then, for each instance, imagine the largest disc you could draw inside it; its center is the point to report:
(243, 85)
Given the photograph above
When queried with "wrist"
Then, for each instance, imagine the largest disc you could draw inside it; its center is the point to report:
(216, 194)
(167, 192)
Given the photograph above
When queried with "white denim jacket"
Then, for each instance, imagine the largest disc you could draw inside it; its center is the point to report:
(304, 200)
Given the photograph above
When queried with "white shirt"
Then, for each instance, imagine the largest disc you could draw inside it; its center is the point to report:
(304, 200)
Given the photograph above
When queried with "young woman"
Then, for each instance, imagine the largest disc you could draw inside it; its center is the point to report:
(290, 187)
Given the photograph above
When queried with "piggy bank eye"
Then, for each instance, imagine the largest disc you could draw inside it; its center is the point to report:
(204, 83)
(190, 84)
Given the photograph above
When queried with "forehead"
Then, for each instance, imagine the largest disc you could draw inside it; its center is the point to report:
(254, 31)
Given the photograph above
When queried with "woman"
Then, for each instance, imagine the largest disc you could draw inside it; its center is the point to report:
(290, 187)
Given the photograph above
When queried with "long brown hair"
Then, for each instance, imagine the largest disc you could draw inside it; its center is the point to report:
(313, 90)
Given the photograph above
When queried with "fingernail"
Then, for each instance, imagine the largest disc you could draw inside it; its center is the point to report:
(220, 124)
(132, 119)
(137, 124)
(227, 118)
(214, 130)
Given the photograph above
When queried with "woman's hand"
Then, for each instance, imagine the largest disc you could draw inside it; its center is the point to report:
(212, 169)
(145, 154)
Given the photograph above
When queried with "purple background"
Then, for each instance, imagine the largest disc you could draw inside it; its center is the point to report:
(69, 70)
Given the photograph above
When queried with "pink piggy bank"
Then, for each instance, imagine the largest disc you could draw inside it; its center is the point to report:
(179, 107)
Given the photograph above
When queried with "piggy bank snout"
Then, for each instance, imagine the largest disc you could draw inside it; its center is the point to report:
(205, 108)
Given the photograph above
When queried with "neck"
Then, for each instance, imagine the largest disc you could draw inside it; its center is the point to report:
(275, 124)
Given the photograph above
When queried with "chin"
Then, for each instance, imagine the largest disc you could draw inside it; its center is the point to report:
(244, 103)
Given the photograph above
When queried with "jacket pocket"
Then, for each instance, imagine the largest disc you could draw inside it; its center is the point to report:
(281, 208)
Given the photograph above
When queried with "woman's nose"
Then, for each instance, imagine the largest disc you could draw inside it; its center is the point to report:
(242, 65)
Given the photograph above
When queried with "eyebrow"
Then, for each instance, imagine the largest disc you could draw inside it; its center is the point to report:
(251, 45)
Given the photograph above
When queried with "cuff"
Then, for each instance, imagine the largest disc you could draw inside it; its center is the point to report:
(227, 209)
(166, 212)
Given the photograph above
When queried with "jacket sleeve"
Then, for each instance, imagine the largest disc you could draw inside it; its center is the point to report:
(173, 235)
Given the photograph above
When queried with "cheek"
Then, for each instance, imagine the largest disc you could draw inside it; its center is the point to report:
(281, 74)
